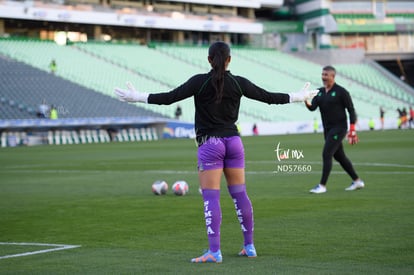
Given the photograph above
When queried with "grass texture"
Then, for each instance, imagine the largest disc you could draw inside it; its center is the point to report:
(99, 196)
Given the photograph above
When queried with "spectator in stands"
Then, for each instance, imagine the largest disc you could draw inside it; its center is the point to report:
(53, 112)
(217, 95)
(178, 112)
(53, 66)
(382, 112)
(411, 116)
(43, 110)
(333, 100)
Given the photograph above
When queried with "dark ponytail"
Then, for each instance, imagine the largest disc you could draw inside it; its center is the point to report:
(218, 54)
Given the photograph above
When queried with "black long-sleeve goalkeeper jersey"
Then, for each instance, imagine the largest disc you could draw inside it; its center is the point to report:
(332, 106)
(214, 118)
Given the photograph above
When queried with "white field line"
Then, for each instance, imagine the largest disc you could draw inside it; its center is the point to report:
(57, 247)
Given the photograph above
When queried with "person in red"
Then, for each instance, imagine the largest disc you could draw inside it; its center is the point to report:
(255, 130)
(333, 100)
(411, 116)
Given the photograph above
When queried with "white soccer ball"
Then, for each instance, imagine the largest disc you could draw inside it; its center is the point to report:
(160, 187)
(180, 188)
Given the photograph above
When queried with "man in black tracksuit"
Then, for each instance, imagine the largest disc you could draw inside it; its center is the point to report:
(332, 101)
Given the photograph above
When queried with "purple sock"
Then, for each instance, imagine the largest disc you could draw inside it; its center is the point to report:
(244, 211)
(212, 215)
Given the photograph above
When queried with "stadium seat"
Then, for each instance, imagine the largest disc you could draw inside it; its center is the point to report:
(88, 72)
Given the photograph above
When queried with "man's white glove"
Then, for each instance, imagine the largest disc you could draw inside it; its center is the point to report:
(131, 95)
(303, 94)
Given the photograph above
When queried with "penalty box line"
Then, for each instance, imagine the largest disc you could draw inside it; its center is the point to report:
(57, 247)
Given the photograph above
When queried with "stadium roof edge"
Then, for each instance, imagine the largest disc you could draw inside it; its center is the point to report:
(154, 21)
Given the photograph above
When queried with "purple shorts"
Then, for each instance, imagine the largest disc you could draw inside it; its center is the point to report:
(221, 152)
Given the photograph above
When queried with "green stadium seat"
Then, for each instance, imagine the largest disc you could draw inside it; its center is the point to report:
(99, 67)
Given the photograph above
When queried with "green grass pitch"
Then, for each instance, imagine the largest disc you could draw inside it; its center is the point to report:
(99, 196)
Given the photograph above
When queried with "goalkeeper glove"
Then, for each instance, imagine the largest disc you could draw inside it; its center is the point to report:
(303, 94)
(131, 95)
(352, 135)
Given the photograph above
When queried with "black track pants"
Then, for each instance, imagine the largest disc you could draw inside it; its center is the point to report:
(333, 148)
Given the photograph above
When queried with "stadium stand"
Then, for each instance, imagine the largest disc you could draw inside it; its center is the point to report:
(24, 87)
(99, 67)
(373, 78)
(82, 87)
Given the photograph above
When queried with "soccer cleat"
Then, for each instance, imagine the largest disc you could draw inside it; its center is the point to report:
(318, 189)
(355, 185)
(249, 251)
(209, 257)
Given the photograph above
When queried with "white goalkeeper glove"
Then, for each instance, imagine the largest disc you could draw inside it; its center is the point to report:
(131, 95)
(303, 94)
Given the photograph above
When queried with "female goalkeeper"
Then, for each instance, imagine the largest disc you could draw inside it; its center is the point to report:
(217, 96)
